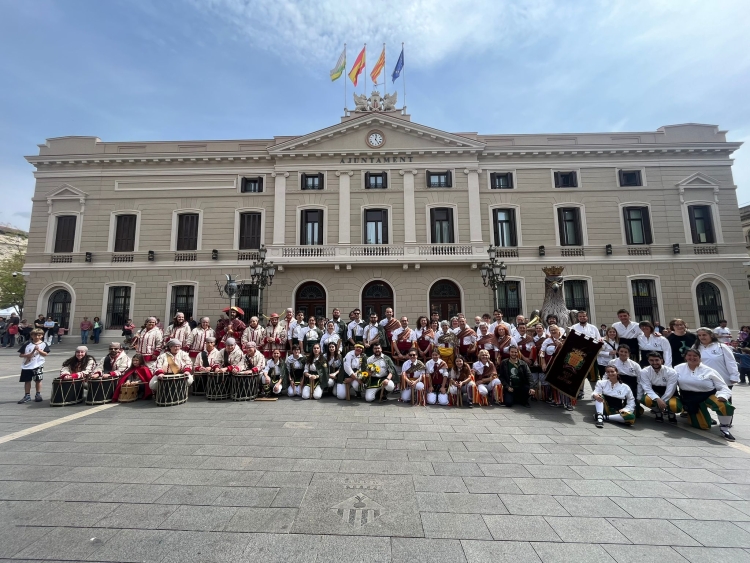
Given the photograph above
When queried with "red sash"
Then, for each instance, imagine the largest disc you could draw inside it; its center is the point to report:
(464, 348)
(403, 342)
(437, 377)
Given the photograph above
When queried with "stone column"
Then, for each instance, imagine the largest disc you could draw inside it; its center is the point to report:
(345, 206)
(475, 212)
(279, 206)
(410, 228)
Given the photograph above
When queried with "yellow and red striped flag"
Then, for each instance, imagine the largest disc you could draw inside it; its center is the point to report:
(359, 64)
(378, 67)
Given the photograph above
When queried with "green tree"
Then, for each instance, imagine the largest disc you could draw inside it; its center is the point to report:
(12, 288)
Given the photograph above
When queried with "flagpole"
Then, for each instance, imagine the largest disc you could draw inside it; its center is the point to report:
(345, 77)
(385, 71)
(364, 82)
(403, 70)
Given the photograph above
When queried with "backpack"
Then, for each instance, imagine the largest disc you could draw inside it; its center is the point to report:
(13, 329)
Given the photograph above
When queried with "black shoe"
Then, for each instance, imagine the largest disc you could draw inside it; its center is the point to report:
(659, 417)
(672, 418)
(713, 422)
(599, 421)
(725, 432)
(470, 405)
(684, 414)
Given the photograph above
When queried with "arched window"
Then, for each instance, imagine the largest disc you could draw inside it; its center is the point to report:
(710, 311)
(310, 299)
(377, 296)
(58, 307)
(445, 298)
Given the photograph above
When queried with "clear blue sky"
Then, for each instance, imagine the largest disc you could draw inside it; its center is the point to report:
(218, 69)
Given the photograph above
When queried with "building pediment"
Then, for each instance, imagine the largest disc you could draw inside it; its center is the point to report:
(379, 133)
(698, 180)
(66, 191)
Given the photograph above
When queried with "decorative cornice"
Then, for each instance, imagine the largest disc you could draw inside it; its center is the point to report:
(274, 174)
(402, 172)
(349, 173)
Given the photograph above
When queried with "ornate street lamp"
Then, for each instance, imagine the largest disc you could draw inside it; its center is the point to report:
(261, 276)
(230, 290)
(493, 274)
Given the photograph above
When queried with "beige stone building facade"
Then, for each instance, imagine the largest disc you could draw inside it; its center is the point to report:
(379, 210)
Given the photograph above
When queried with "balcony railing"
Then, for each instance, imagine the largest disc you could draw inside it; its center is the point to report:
(445, 250)
(118, 257)
(185, 256)
(61, 258)
(248, 255)
(639, 251)
(705, 249)
(377, 250)
(308, 251)
(574, 251)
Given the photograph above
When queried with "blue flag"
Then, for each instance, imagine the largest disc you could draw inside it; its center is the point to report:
(399, 66)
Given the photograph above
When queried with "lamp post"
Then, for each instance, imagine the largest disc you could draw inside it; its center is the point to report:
(261, 276)
(493, 274)
(230, 289)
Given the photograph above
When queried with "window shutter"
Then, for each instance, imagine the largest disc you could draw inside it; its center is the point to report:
(557, 179)
(451, 229)
(493, 181)
(320, 181)
(693, 229)
(512, 217)
(385, 180)
(626, 218)
(302, 223)
(449, 177)
(125, 233)
(427, 178)
(187, 231)
(384, 215)
(260, 183)
(495, 226)
(621, 177)
(561, 224)
(367, 180)
(709, 225)
(250, 226)
(303, 181)
(579, 227)
(647, 236)
(574, 179)
(65, 233)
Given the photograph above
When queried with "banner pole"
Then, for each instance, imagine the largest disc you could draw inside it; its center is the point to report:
(364, 82)
(385, 70)
(403, 70)
(345, 77)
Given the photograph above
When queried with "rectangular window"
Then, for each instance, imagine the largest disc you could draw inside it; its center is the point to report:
(249, 231)
(118, 307)
(501, 181)
(248, 300)
(637, 225)
(375, 181)
(630, 178)
(65, 233)
(439, 179)
(576, 294)
(505, 227)
(311, 227)
(252, 185)
(701, 224)
(125, 233)
(312, 181)
(644, 300)
(566, 180)
(187, 231)
(569, 222)
(441, 221)
(509, 299)
(182, 301)
(376, 226)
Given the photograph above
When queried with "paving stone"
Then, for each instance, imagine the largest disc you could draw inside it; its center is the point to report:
(543, 486)
(15, 539)
(494, 551)
(199, 518)
(579, 529)
(652, 531)
(645, 554)
(653, 489)
(650, 507)
(710, 510)
(532, 505)
(458, 469)
(354, 549)
(696, 475)
(246, 496)
(419, 550)
(601, 507)
(475, 503)
(191, 495)
(136, 545)
(457, 526)
(281, 548)
(283, 479)
(706, 491)
(206, 547)
(75, 543)
(440, 484)
(737, 491)
(270, 520)
(520, 528)
(550, 472)
(604, 460)
(490, 485)
(714, 533)
(596, 488)
(702, 554)
(288, 497)
(550, 552)
(599, 472)
(136, 516)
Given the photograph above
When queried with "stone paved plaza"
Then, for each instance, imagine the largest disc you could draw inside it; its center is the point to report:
(326, 480)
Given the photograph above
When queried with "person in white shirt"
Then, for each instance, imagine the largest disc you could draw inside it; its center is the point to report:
(514, 328)
(659, 385)
(412, 378)
(275, 373)
(608, 351)
(614, 400)
(355, 328)
(373, 334)
(498, 314)
(717, 356)
(583, 327)
(486, 379)
(701, 388)
(352, 366)
(627, 331)
(331, 337)
(295, 365)
(723, 333)
(650, 341)
(628, 370)
(436, 379)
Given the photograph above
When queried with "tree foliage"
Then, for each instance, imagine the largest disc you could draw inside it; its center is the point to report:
(12, 289)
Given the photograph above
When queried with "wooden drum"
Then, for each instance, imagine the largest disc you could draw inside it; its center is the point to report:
(172, 390)
(129, 391)
(245, 386)
(199, 383)
(66, 392)
(100, 390)
(217, 386)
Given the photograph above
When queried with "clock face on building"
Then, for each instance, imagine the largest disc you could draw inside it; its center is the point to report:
(375, 139)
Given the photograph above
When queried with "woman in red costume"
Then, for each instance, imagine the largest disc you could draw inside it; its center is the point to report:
(138, 371)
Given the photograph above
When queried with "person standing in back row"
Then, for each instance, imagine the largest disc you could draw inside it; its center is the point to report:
(86, 326)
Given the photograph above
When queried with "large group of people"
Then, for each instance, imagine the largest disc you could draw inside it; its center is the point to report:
(671, 371)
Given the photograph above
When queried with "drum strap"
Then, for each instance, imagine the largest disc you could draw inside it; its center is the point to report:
(173, 367)
(108, 363)
(204, 358)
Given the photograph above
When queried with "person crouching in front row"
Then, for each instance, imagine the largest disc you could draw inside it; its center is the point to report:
(614, 401)
(659, 386)
(80, 366)
(515, 376)
(175, 360)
